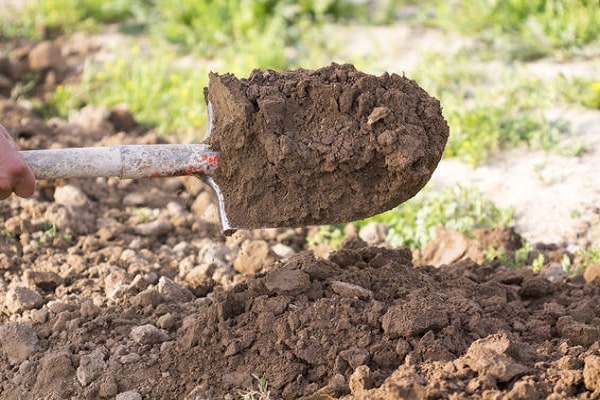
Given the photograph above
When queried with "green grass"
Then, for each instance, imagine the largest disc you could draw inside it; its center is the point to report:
(585, 92)
(157, 93)
(53, 17)
(525, 29)
(491, 108)
(413, 223)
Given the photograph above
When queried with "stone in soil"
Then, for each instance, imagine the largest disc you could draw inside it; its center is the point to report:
(318, 147)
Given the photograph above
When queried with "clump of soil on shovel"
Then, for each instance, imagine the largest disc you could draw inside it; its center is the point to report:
(318, 147)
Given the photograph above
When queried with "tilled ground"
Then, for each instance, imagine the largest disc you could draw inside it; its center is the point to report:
(127, 289)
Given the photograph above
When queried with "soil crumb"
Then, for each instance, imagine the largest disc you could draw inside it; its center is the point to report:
(332, 145)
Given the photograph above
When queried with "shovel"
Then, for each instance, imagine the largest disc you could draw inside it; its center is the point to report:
(289, 149)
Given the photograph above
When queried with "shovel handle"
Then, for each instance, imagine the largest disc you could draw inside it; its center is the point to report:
(124, 161)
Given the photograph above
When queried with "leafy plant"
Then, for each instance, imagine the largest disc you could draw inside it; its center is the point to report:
(261, 393)
(413, 223)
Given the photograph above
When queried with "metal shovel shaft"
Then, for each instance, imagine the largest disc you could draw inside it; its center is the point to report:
(124, 161)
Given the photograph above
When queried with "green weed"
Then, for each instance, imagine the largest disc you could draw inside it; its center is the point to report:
(524, 29)
(156, 92)
(585, 92)
(487, 115)
(38, 18)
(260, 393)
(413, 223)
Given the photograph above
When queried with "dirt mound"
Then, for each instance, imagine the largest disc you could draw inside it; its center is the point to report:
(326, 146)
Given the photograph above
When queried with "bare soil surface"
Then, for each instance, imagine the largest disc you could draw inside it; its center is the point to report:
(326, 146)
(126, 289)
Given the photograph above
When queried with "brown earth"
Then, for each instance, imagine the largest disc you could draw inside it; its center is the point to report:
(126, 289)
(326, 146)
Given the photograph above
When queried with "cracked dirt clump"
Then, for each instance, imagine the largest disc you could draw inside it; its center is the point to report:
(326, 146)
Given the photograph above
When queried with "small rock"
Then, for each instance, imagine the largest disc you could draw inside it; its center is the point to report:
(378, 114)
(19, 298)
(346, 289)
(134, 199)
(360, 380)
(157, 227)
(171, 291)
(201, 203)
(129, 395)
(70, 195)
(45, 280)
(591, 272)
(18, 341)
(116, 278)
(449, 247)
(553, 272)
(147, 297)
(591, 373)
(373, 233)
(148, 334)
(487, 357)
(166, 321)
(108, 388)
(578, 333)
(252, 257)
(283, 251)
(46, 55)
(287, 282)
(90, 367)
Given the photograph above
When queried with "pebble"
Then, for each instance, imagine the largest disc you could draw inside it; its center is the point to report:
(20, 298)
(373, 233)
(90, 367)
(154, 228)
(129, 395)
(70, 195)
(166, 321)
(488, 357)
(147, 297)
(45, 280)
(171, 291)
(134, 199)
(282, 250)
(148, 334)
(18, 341)
(346, 289)
(252, 257)
(553, 272)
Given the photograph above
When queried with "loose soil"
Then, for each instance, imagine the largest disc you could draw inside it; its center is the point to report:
(321, 147)
(126, 289)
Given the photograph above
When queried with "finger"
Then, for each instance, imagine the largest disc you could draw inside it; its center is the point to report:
(6, 136)
(24, 188)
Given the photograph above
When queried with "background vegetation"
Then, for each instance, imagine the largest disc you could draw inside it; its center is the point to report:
(487, 110)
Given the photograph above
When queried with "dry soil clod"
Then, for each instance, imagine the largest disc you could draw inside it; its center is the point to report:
(332, 145)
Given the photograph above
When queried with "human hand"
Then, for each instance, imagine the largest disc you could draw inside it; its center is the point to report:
(15, 174)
